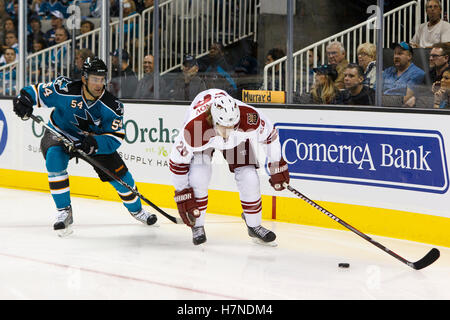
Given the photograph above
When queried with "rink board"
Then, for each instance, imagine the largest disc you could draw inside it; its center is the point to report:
(385, 173)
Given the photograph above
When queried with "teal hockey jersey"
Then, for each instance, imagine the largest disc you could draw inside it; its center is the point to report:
(75, 118)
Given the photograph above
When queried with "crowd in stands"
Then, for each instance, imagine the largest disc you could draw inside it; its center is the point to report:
(338, 81)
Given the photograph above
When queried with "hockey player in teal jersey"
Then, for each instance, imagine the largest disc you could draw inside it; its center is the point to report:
(92, 118)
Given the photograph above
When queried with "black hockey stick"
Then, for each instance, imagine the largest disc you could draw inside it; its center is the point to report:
(93, 162)
(428, 259)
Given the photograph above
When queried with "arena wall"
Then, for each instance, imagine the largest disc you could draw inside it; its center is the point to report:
(385, 173)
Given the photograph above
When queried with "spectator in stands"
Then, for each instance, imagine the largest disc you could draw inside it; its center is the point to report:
(3, 17)
(8, 75)
(187, 84)
(80, 56)
(35, 7)
(145, 86)
(442, 94)
(9, 26)
(86, 26)
(217, 71)
(10, 42)
(56, 22)
(273, 55)
(367, 55)
(124, 80)
(336, 56)
(439, 61)
(307, 73)
(324, 90)
(404, 74)
(35, 63)
(58, 57)
(359, 94)
(96, 8)
(47, 8)
(35, 32)
(433, 31)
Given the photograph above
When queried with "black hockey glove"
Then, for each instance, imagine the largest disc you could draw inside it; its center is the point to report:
(88, 145)
(23, 105)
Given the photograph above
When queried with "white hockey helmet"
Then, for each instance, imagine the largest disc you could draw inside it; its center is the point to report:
(225, 111)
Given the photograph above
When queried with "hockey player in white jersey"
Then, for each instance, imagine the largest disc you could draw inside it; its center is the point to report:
(217, 121)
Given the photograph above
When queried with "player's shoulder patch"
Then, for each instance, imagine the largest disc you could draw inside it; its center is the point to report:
(198, 131)
(249, 119)
(66, 86)
(113, 103)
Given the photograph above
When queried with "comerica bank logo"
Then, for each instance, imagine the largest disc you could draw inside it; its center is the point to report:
(386, 157)
(3, 132)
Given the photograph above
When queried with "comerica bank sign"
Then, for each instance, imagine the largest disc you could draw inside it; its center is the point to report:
(386, 157)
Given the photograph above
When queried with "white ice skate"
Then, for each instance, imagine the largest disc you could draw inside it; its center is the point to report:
(64, 220)
(146, 218)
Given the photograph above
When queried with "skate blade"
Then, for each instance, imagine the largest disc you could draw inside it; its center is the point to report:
(62, 233)
(262, 243)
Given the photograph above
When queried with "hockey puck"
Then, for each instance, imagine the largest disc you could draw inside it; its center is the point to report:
(344, 265)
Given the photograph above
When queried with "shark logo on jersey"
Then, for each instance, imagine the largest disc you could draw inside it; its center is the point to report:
(62, 84)
(119, 108)
(84, 123)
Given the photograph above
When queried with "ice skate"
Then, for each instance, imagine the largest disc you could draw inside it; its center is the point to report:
(198, 235)
(64, 220)
(146, 218)
(261, 235)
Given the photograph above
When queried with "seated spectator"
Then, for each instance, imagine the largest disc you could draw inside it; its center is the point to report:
(56, 22)
(80, 56)
(39, 62)
(8, 75)
(58, 56)
(324, 90)
(187, 84)
(10, 42)
(47, 8)
(123, 79)
(273, 55)
(367, 55)
(433, 31)
(442, 93)
(86, 26)
(439, 61)
(3, 17)
(35, 8)
(145, 86)
(404, 74)
(34, 33)
(96, 8)
(9, 26)
(216, 70)
(336, 56)
(359, 94)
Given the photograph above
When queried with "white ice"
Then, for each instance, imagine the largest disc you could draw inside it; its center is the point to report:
(112, 256)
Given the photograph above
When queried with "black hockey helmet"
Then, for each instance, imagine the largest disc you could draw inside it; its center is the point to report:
(94, 66)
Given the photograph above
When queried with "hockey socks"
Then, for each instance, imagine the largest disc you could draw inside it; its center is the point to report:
(59, 188)
(131, 201)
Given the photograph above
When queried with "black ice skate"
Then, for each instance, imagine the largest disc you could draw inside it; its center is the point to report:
(198, 235)
(63, 222)
(146, 218)
(261, 235)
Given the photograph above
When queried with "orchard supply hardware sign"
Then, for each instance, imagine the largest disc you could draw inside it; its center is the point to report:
(393, 158)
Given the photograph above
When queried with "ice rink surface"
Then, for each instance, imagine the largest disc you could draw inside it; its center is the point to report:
(112, 256)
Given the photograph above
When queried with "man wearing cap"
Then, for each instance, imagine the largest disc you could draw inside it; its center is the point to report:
(56, 22)
(145, 86)
(435, 30)
(124, 80)
(404, 74)
(48, 8)
(187, 84)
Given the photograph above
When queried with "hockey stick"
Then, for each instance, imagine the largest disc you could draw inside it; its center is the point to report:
(93, 162)
(428, 259)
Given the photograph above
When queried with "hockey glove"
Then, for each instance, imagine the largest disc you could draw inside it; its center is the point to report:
(279, 174)
(23, 105)
(187, 206)
(88, 145)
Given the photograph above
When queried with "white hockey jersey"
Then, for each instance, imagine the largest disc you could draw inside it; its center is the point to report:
(198, 134)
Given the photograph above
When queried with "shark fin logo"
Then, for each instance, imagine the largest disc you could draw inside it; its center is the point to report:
(84, 123)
